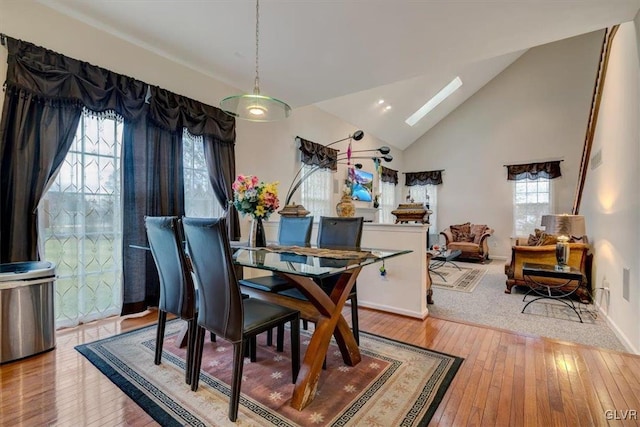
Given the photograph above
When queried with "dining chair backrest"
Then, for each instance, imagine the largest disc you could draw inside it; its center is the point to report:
(295, 230)
(177, 291)
(220, 301)
(340, 232)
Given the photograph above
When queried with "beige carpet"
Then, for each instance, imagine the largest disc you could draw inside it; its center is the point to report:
(394, 384)
(464, 279)
(489, 305)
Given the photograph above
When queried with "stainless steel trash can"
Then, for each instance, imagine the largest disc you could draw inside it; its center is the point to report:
(27, 322)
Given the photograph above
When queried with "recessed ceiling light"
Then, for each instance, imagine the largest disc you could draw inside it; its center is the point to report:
(380, 101)
(433, 102)
(388, 107)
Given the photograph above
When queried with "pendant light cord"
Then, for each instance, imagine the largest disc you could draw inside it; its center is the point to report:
(256, 87)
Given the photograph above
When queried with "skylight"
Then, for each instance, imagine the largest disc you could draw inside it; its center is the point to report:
(433, 102)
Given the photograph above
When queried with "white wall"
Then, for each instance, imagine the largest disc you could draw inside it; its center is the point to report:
(267, 150)
(611, 201)
(536, 110)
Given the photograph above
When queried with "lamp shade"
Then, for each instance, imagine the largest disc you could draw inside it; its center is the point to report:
(255, 107)
(564, 225)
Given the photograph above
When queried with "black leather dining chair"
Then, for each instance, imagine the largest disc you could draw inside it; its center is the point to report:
(221, 308)
(337, 233)
(177, 291)
(292, 231)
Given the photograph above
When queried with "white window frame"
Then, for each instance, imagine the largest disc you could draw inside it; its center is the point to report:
(532, 198)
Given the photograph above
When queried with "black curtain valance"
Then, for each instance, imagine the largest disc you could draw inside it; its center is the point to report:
(60, 81)
(174, 112)
(423, 178)
(388, 175)
(318, 155)
(548, 170)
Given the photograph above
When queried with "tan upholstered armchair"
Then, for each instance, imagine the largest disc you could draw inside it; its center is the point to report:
(546, 254)
(471, 239)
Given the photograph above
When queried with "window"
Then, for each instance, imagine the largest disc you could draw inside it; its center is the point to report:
(387, 202)
(80, 225)
(199, 200)
(315, 191)
(422, 193)
(532, 198)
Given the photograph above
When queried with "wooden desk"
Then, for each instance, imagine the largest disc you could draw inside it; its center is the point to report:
(325, 310)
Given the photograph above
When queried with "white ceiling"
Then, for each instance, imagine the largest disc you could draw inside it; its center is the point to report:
(345, 55)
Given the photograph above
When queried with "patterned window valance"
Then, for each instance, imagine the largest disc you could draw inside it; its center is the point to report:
(548, 170)
(388, 175)
(423, 178)
(317, 154)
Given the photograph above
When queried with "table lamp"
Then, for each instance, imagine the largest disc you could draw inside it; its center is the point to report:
(564, 226)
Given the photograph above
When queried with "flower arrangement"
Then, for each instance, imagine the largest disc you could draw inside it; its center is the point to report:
(254, 197)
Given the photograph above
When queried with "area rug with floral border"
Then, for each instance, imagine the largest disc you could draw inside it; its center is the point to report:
(395, 384)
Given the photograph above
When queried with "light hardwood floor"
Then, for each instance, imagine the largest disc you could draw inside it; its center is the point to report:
(507, 379)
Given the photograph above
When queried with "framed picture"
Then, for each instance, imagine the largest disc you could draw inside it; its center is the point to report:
(362, 186)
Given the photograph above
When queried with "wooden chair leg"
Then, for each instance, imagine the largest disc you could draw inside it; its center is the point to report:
(162, 321)
(197, 358)
(238, 365)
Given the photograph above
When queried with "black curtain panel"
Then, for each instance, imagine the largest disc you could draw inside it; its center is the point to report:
(44, 97)
(548, 170)
(423, 178)
(153, 185)
(220, 157)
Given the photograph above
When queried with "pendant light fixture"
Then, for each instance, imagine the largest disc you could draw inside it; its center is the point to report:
(256, 107)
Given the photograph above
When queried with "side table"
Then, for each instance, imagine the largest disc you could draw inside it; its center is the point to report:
(552, 291)
(441, 258)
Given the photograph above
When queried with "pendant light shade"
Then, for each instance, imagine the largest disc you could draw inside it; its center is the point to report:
(256, 107)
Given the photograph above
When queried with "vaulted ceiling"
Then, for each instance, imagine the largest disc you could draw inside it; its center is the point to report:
(346, 55)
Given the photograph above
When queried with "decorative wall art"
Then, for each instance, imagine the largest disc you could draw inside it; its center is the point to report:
(362, 186)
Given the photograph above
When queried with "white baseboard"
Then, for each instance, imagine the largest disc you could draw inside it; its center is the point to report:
(622, 337)
(414, 314)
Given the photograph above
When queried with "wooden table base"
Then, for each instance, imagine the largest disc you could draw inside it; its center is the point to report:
(330, 322)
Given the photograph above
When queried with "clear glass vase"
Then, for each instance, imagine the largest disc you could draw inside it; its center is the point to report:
(257, 238)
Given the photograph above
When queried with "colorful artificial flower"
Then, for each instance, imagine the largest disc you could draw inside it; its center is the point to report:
(255, 198)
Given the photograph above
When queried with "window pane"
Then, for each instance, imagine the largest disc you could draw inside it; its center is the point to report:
(422, 193)
(315, 192)
(199, 200)
(531, 200)
(80, 225)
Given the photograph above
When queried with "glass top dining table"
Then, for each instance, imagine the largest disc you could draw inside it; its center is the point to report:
(313, 262)
(302, 267)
